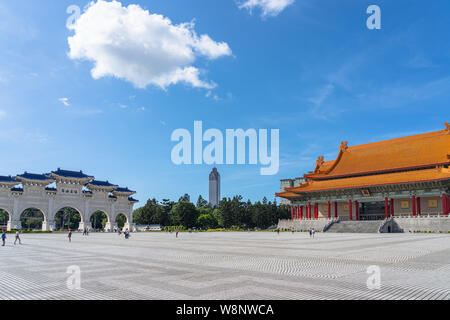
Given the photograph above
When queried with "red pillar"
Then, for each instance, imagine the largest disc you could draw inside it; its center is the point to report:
(392, 207)
(350, 210)
(301, 212)
(386, 207)
(309, 210)
(444, 204)
(413, 200)
(329, 210)
(292, 213)
(448, 204)
(419, 207)
(357, 209)
(316, 211)
(335, 210)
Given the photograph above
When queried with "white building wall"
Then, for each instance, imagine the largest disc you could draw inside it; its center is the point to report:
(15, 203)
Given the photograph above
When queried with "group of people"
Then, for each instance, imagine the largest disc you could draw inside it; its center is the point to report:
(86, 233)
(176, 232)
(312, 232)
(119, 232)
(15, 241)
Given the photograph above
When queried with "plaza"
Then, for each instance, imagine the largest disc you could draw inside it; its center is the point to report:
(227, 265)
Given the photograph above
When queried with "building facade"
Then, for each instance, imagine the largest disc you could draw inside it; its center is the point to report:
(289, 183)
(408, 176)
(214, 188)
(72, 189)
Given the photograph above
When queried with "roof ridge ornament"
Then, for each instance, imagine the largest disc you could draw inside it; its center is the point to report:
(447, 127)
(344, 146)
(319, 163)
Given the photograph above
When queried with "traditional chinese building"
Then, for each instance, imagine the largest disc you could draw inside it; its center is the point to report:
(408, 176)
(59, 189)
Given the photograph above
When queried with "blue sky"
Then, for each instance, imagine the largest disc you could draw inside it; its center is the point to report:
(312, 70)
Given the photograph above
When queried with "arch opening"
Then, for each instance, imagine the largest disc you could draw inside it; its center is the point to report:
(4, 218)
(32, 219)
(121, 219)
(98, 220)
(67, 218)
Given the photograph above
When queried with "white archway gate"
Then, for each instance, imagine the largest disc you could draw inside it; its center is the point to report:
(72, 189)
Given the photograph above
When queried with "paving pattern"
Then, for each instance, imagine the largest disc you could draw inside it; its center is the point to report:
(228, 266)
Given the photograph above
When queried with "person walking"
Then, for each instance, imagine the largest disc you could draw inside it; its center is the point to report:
(292, 230)
(17, 238)
(70, 235)
(278, 231)
(3, 238)
(176, 233)
(310, 233)
(313, 232)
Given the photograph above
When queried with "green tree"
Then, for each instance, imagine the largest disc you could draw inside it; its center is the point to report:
(201, 202)
(67, 218)
(4, 217)
(99, 220)
(121, 219)
(185, 198)
(206, 221)
(32, 218)
(184, 213)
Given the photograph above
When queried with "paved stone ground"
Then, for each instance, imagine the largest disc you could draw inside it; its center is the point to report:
(227, 266)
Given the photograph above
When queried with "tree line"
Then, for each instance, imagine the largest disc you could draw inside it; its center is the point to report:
(230, 213)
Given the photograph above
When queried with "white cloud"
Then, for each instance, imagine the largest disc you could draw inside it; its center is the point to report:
(123, 106)
(64, 101)
(268, 7)
(2, 114)
(143, 48)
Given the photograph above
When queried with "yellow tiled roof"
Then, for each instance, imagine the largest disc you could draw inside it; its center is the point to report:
(408, 152)
(434, 174)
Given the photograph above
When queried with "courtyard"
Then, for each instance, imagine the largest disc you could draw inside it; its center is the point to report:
(226, 266)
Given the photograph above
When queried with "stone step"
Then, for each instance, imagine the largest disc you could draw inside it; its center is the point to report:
(355, 227)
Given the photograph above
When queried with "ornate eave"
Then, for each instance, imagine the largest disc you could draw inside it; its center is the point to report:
(131, 199)
(101, 186)
(8, 181)
(34, 179)
(123, 192)
(60, 179)
(67, 176)
(431, 187)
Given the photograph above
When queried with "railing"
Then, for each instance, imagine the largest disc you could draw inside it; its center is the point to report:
(422, 216)
(329, 224)
(380, 229)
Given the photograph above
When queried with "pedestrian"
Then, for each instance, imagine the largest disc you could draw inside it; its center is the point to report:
(127, 234)
(84, 231)
(17, 237)
(87, 231)
(278, 231)
(3, 237)
(310, 233)
(313, 232)
(292, 230)
(176, 233)
(70, 235)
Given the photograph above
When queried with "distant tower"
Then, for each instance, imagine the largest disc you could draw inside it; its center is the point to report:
(214, 188)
